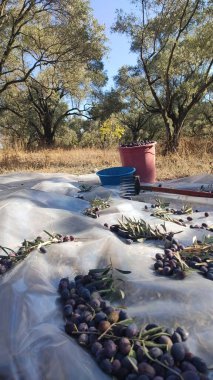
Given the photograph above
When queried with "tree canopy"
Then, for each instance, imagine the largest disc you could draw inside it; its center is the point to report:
(173, 40)
(51, 51)
(51, 71)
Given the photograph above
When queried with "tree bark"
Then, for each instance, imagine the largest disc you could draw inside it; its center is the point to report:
(135, 134)
(48, 138)
(173, 138)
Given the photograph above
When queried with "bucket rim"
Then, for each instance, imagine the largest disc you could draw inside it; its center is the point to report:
(139, 146)
(126, 173)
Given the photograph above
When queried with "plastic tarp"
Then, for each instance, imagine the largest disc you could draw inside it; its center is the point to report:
(33, 344)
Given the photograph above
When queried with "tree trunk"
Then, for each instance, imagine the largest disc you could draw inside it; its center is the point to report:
(135, 134)
(173, 127)
(173, 139)
(48, 131)
(48, 140)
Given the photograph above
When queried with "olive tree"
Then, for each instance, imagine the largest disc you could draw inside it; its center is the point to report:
(51, 59)
(173, 41)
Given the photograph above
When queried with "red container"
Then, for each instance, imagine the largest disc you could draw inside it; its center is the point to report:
(142, 158)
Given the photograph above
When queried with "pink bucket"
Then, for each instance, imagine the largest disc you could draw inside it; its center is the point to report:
(142, 158)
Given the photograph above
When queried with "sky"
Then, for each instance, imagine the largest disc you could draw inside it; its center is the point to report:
(119, 54)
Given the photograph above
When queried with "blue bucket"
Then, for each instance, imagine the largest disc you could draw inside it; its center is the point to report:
(113, 176)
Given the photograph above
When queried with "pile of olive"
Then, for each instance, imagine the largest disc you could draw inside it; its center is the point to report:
(120, 348)
(137, 143)
(174, 262)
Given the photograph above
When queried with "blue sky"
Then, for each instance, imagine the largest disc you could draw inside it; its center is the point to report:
(119, 54)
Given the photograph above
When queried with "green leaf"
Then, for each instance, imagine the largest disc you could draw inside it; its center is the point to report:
(140, 333)
(91, 271)
(125, 322)
(141, 240)
(123, 271)
(84, 187)
(3, 249)
(163, 226)
(133, 363)
(103, 281)
(132, 353)
(106, 271)
(121, 293)
(153, 331)
(154, 344)
(159, 335)
(109, 290)
(46, 232)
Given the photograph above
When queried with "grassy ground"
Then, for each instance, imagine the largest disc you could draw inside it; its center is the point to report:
(193, 158)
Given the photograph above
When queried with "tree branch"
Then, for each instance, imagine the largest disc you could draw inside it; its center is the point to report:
(197, 96)
(155, 96)
(180, 31)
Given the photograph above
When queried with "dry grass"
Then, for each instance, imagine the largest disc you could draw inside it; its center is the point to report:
(74, 161)
(193, 158)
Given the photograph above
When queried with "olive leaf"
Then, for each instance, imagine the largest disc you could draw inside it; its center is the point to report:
(96, 205)
(123, 271)
(27, 247)
(84, 188)
(163, 226)
(139, 229)
(102, 270)
(160, 203)
(125, 322)
(122, 294)
(132, 353)
(108, 281)
(133, 362)
(106, 271)
(109, 290)
(49, 234)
